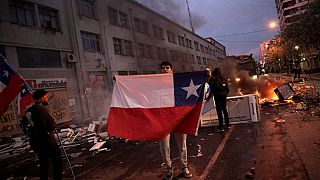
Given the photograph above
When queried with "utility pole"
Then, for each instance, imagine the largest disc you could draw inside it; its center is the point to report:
(190, 16)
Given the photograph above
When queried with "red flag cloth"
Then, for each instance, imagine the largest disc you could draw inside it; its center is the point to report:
(24, 99)
(10, 84)
(149, 107)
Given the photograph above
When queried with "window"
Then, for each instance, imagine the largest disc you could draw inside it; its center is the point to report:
(204, 60)
(193, 60)
(124, 73)
(148, 51)
(145, 50)
(149, 72)
(196, 45)
(48, 18)
(181, 40)
(141, 26)
(133, 72)
(141, 51)
(206, 50)
(174, 55)
(85, 7)
(128, 48)
(113, 16)
(157, 32)
(90, 42)
(201, 48)
(161, 35)
(22, 13)
(123, 19)
(38, 58)
(117, 43)
(162, 53)
(199, 59)
(189, 43)
(171, 37)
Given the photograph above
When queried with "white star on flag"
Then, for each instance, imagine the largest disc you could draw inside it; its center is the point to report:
(6, 73)
(191, 89)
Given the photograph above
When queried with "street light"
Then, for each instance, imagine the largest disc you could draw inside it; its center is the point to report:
(272, 24)
(296, 48)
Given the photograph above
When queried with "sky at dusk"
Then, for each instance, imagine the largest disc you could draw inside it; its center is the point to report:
(218, 18)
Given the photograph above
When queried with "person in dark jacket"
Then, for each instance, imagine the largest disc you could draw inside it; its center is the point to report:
(219, 89)
(42, 139)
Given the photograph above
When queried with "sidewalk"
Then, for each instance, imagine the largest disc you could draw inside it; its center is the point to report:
(314, 76)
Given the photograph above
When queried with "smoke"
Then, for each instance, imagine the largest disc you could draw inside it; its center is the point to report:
(263, 86)
(176, 10)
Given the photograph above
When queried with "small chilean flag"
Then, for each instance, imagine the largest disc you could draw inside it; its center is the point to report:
(148, 107)
(24, 99)
(10, 83)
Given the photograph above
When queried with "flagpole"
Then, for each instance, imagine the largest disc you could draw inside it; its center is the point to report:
(5, 60)
(65, 154)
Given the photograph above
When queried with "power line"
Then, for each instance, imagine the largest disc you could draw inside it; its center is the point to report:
(221, 40)
(250, 32)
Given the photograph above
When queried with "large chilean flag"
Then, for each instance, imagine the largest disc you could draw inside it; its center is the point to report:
(148, 107)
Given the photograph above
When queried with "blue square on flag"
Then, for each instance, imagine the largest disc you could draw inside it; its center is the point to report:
(189, 87)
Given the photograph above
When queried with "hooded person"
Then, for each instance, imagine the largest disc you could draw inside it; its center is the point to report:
(219, 89)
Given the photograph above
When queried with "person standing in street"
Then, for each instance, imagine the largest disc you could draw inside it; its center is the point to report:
(181, 139)
(42, 139)
(297, 71)
(219, 89)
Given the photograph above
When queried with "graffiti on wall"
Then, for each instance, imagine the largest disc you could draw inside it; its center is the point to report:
(8, 122)
(58, 106)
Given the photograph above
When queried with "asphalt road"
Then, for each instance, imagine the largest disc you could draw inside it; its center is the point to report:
(284, 144)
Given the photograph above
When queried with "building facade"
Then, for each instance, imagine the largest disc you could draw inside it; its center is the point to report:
(73, 48)
(288, 9)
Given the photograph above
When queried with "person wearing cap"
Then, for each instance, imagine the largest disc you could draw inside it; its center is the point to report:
(42, 139)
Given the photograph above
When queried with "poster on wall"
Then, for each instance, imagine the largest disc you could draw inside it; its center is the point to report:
(58, 105)
(9, 123)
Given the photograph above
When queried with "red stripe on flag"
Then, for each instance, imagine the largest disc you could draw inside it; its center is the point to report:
(24, 102)
(153, 123)
(10, 92)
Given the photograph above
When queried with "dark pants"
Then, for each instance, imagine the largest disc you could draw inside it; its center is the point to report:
(51, 152)
(296, 75)
(221, 107)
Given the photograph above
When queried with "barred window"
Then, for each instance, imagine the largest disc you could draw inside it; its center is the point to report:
(90, 41)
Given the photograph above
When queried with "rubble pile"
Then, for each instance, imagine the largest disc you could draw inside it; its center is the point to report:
(79, 143)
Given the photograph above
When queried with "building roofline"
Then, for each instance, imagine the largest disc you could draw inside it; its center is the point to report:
(167, 19)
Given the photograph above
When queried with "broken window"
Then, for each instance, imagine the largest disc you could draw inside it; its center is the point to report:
(48, 18)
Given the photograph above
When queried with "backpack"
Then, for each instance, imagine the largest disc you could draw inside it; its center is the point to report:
(26, 123)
